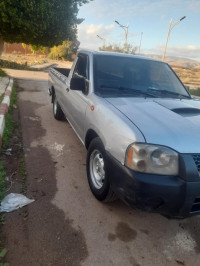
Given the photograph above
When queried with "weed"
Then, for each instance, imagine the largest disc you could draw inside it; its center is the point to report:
(2, 255)
(1, 97)
(195, 92)
(2, 73)
(8, 130)
(13, 98)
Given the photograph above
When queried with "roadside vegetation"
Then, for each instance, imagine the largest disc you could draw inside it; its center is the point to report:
(63, 51)
(9, 127)
(14, 65)
(195, 92)
(8, 131)
(2, 73)
(2, 169)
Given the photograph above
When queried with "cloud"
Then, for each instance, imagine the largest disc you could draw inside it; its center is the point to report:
(87, 35)
(193, 5)
(190, 51)
(127, 9)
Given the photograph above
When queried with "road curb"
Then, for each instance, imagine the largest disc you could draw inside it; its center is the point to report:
(4, 107)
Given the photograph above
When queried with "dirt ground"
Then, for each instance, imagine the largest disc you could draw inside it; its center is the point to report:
(39, 235)
(32, 60)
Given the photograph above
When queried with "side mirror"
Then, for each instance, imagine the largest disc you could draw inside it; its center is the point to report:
(78, 84)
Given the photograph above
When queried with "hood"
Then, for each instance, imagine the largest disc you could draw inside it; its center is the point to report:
(171, 122)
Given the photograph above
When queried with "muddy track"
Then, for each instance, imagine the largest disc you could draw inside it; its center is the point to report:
(39, 234)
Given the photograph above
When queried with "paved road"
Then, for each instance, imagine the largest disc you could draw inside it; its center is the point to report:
(66, 224)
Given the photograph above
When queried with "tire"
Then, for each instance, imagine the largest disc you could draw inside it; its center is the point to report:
(97, 173)
(57, 111)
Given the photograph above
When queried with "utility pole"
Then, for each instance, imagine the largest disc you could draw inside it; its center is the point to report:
(140, 43)
(125, 28)
(103, 39)
(171, 26)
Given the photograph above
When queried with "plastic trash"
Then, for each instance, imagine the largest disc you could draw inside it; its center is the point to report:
(8, 152)
(13, 202)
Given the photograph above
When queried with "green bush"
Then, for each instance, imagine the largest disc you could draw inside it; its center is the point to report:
(14, 65)
(63, 51)
(2, 73)
(195, 92)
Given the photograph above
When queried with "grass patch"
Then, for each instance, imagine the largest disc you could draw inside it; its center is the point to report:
(13, 98)
(1, 97)
(14, 65)
(2, 73)
(8, 130)
(195, 92)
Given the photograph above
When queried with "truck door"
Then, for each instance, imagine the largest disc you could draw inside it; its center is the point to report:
(76, 102)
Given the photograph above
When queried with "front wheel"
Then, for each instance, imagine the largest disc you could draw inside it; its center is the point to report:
(57, 111)
(97, 172)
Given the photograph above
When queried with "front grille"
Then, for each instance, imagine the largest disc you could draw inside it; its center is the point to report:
(196, 158)
(196, 205)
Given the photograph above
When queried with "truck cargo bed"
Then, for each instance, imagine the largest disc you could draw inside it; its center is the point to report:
(64, 71)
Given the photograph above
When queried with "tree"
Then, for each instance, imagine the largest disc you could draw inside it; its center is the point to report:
(37, 48)
(39, 22)
(25, 47)
(63, 51)
(117, 48)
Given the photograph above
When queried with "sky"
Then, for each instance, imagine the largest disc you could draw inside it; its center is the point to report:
(147, 18)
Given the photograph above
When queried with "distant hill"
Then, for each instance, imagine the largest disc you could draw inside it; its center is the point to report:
(188, 70)
(177, 61)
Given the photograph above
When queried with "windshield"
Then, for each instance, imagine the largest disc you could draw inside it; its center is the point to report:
(118, 76)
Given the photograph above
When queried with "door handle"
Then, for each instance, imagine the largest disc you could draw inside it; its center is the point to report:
(67, 89)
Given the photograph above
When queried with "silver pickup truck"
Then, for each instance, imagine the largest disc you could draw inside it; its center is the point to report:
(140, 126)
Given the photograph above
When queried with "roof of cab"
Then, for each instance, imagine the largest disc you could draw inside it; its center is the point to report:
(93, 52)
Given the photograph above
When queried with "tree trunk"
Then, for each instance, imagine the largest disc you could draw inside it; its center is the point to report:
(1, 45)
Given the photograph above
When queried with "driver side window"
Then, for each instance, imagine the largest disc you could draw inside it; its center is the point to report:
(82, 67)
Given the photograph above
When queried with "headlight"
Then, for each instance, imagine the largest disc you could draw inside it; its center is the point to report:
(153, 159)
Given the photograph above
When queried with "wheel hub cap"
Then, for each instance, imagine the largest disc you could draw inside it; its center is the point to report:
(97, 171)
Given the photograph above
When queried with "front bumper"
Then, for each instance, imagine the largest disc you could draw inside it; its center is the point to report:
(173, 196)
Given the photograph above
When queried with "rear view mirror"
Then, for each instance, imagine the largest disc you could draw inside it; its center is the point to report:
(78, 84)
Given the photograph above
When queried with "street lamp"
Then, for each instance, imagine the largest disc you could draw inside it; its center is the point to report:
(140, 42)
(125, 28)
(171, 26)
(103, 39)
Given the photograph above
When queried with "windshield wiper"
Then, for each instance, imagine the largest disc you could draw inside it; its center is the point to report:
(168, 92)
(121, 88)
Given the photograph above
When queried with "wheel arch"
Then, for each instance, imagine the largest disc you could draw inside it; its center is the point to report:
(90, 135)
(52, 93)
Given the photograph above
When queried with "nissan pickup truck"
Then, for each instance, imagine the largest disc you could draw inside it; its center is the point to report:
(140, 126)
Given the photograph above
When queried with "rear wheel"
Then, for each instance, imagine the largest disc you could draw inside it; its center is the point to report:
(57, 111)
(97, 172)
